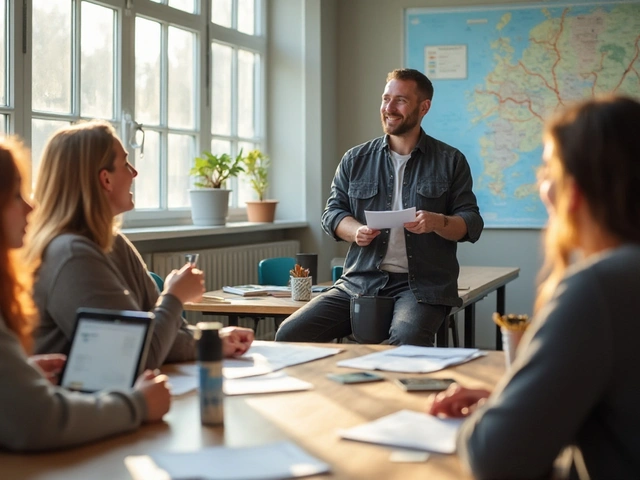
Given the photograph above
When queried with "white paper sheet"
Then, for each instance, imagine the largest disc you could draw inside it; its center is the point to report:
(412, 359)
(262, 358)
(265, 462)
(270, 383)
(408, 429)
(390, 219)
(266, 357)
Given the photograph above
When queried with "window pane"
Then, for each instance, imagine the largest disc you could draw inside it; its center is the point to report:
(148, 44)
(246, 16)
(218, 147)
(147, 183)
(4, 70)
(221, 89)
(184, 5)
(246, 89)
(96, 61)
(41, 130)
(221, 12)
(180, 159)
(245, 192)
(51, 61)
(3, 124)
(182, 88)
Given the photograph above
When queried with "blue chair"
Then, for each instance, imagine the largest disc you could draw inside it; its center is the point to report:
(275, 271)
(271, 271)
(336, 272)
(159, 281)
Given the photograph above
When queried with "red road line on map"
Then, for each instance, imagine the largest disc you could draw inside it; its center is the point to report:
(555, 47)
(533, 74)
(509, 99)
(630, 67)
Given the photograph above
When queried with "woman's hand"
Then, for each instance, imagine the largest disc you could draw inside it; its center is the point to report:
(156, 394)
(50, 365)
(186, 284)
(236, 340)
(457, 401)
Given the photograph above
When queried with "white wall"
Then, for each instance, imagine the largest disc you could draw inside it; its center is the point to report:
(302, 112)
(370, 39)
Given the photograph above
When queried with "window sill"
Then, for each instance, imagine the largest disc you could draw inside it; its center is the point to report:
(184, 231)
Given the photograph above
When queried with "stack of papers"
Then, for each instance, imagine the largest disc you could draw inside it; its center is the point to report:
(262, 290)
(263, 358)
(409, 429)
(266, 462)
(413, 359)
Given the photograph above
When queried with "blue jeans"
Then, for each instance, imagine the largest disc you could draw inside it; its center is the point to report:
(328, 316)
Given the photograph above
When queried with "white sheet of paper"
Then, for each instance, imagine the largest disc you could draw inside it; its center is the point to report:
(181, 384)
(389, 219)
(266, 357)
(266, 462)
(412, 359)
(263, 357)
(408, 429)
(270, 383)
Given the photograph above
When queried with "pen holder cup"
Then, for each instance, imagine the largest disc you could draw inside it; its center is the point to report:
(301, 288)
(510, 341)
(371, 318)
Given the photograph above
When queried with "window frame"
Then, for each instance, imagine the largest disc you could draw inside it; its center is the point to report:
(19, 82)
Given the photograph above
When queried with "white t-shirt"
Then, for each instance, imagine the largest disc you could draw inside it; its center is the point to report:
(395, 259)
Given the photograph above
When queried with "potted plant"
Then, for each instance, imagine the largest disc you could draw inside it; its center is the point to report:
(256, 166)
(209, 200)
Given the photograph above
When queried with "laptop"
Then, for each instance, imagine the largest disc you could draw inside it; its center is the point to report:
(108, 349)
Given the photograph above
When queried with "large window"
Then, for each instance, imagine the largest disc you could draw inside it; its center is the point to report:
(175, 77)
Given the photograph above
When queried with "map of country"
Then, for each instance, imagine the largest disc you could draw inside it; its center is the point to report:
(523, 63)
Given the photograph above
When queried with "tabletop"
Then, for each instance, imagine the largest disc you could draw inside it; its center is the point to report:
(309, 418)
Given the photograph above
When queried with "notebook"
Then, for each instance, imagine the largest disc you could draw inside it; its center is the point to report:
(108, 349)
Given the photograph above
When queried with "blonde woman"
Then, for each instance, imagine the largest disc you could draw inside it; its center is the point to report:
(38, 415)
(575, 378)
(81, 260)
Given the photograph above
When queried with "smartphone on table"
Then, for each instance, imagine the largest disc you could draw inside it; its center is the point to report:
(355, 377)
(423, 384)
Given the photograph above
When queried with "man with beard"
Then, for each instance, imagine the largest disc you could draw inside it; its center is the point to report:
(415, 264)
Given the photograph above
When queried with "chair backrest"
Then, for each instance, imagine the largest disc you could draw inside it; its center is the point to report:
(336, 272)
(159, 281)
(275, 271)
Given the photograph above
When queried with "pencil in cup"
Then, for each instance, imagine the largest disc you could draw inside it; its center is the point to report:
(518, 323)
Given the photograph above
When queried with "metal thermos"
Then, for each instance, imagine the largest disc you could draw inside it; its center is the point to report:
(210, 372)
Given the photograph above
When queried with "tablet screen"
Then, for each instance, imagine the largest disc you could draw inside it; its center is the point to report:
(105, 354)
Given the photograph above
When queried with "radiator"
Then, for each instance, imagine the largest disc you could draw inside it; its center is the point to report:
(228, 266)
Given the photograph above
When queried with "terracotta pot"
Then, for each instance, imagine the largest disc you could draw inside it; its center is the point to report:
(264, 211)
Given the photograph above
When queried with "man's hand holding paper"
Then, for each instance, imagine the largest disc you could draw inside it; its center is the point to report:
(390, 218)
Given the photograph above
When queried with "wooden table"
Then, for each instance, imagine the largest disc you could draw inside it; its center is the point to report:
(480, 281)
(310, 418)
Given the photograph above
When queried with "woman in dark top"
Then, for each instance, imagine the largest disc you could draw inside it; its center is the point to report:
(575, 377)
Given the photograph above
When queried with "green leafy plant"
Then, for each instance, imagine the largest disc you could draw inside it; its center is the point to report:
(211, 171)
(257, 169)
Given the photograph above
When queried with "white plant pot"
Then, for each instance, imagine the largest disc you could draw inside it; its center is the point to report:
(209, 206)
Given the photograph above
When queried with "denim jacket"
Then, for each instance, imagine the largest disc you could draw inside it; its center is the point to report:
(437, 179)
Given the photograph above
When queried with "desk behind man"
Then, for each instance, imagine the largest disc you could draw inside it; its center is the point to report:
(416, 264)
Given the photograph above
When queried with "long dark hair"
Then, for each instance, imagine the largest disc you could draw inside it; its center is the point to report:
(16, 304)
(597, 145)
